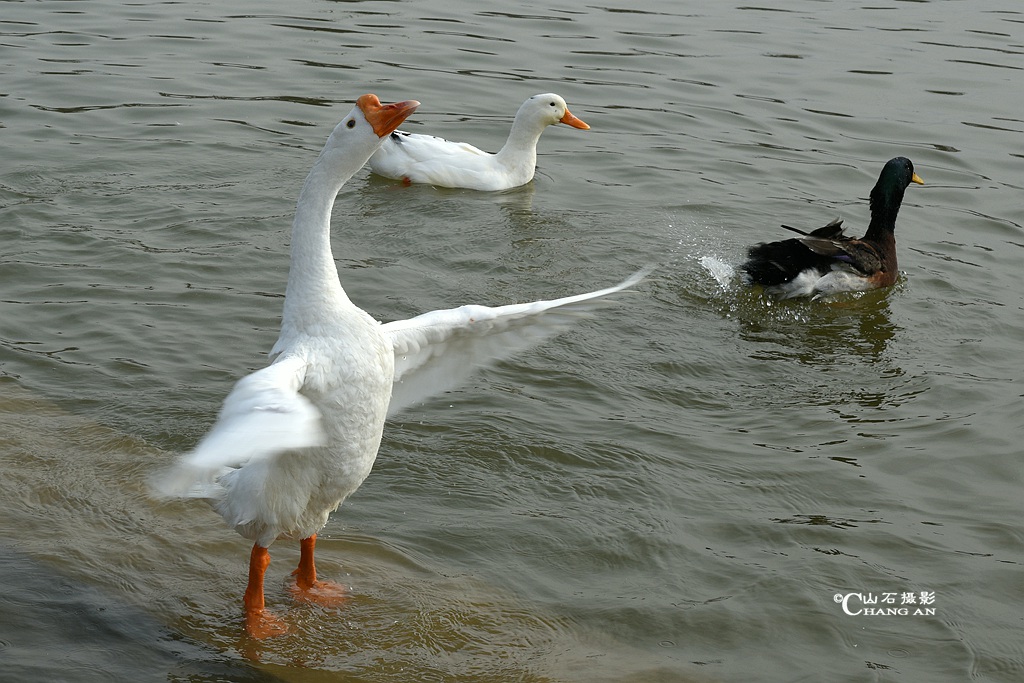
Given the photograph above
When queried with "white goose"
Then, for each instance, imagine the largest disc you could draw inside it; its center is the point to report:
(294, 439)
(415, 158)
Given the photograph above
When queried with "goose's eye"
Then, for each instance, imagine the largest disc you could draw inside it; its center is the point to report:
(551, 104)
(351, 123)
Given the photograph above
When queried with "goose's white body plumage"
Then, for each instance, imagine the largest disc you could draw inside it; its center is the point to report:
(417, 158)
(295, 438)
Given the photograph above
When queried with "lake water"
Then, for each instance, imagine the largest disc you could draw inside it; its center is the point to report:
(679, 489)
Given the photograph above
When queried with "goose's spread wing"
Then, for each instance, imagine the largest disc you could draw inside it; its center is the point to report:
(264, 415)
(435, 351)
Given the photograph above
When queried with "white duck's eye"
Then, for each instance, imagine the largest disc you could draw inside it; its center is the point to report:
(351, 123)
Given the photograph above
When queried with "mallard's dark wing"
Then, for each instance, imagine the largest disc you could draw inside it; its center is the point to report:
(773, 263)
(834, 230)
(829, 242)
(864, 256)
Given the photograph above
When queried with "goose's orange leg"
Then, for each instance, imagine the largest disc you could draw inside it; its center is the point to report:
(258, 622)
(307, 587)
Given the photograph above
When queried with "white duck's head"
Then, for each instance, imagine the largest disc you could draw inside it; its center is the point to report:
(364, 129)
(548, 109)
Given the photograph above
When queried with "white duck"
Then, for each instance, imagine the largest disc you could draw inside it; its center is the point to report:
(294, 439)
(415, 158)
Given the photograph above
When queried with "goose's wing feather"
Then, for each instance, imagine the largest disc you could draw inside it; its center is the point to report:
(435, 351)
(263, 416)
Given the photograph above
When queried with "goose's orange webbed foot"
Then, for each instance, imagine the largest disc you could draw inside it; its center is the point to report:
(323, 593)
(307, 588)
(258, 622)
(262, 624)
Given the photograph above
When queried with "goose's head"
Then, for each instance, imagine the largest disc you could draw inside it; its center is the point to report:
(549, 109)
(369, 122)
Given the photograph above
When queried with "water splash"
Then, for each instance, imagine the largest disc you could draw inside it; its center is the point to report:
(724, 273)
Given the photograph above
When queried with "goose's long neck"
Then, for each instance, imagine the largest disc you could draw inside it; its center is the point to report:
(313, 285)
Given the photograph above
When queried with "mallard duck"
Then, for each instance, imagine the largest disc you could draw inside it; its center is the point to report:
(415, 158)
(297, 437)
(826, 261)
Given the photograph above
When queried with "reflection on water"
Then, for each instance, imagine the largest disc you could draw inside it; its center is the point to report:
(836, 357)
(818, 332)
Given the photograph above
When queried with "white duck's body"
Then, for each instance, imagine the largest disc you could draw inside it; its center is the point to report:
(415, 158)
(294, 439)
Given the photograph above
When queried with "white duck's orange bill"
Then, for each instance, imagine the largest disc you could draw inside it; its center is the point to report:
(571, 120)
